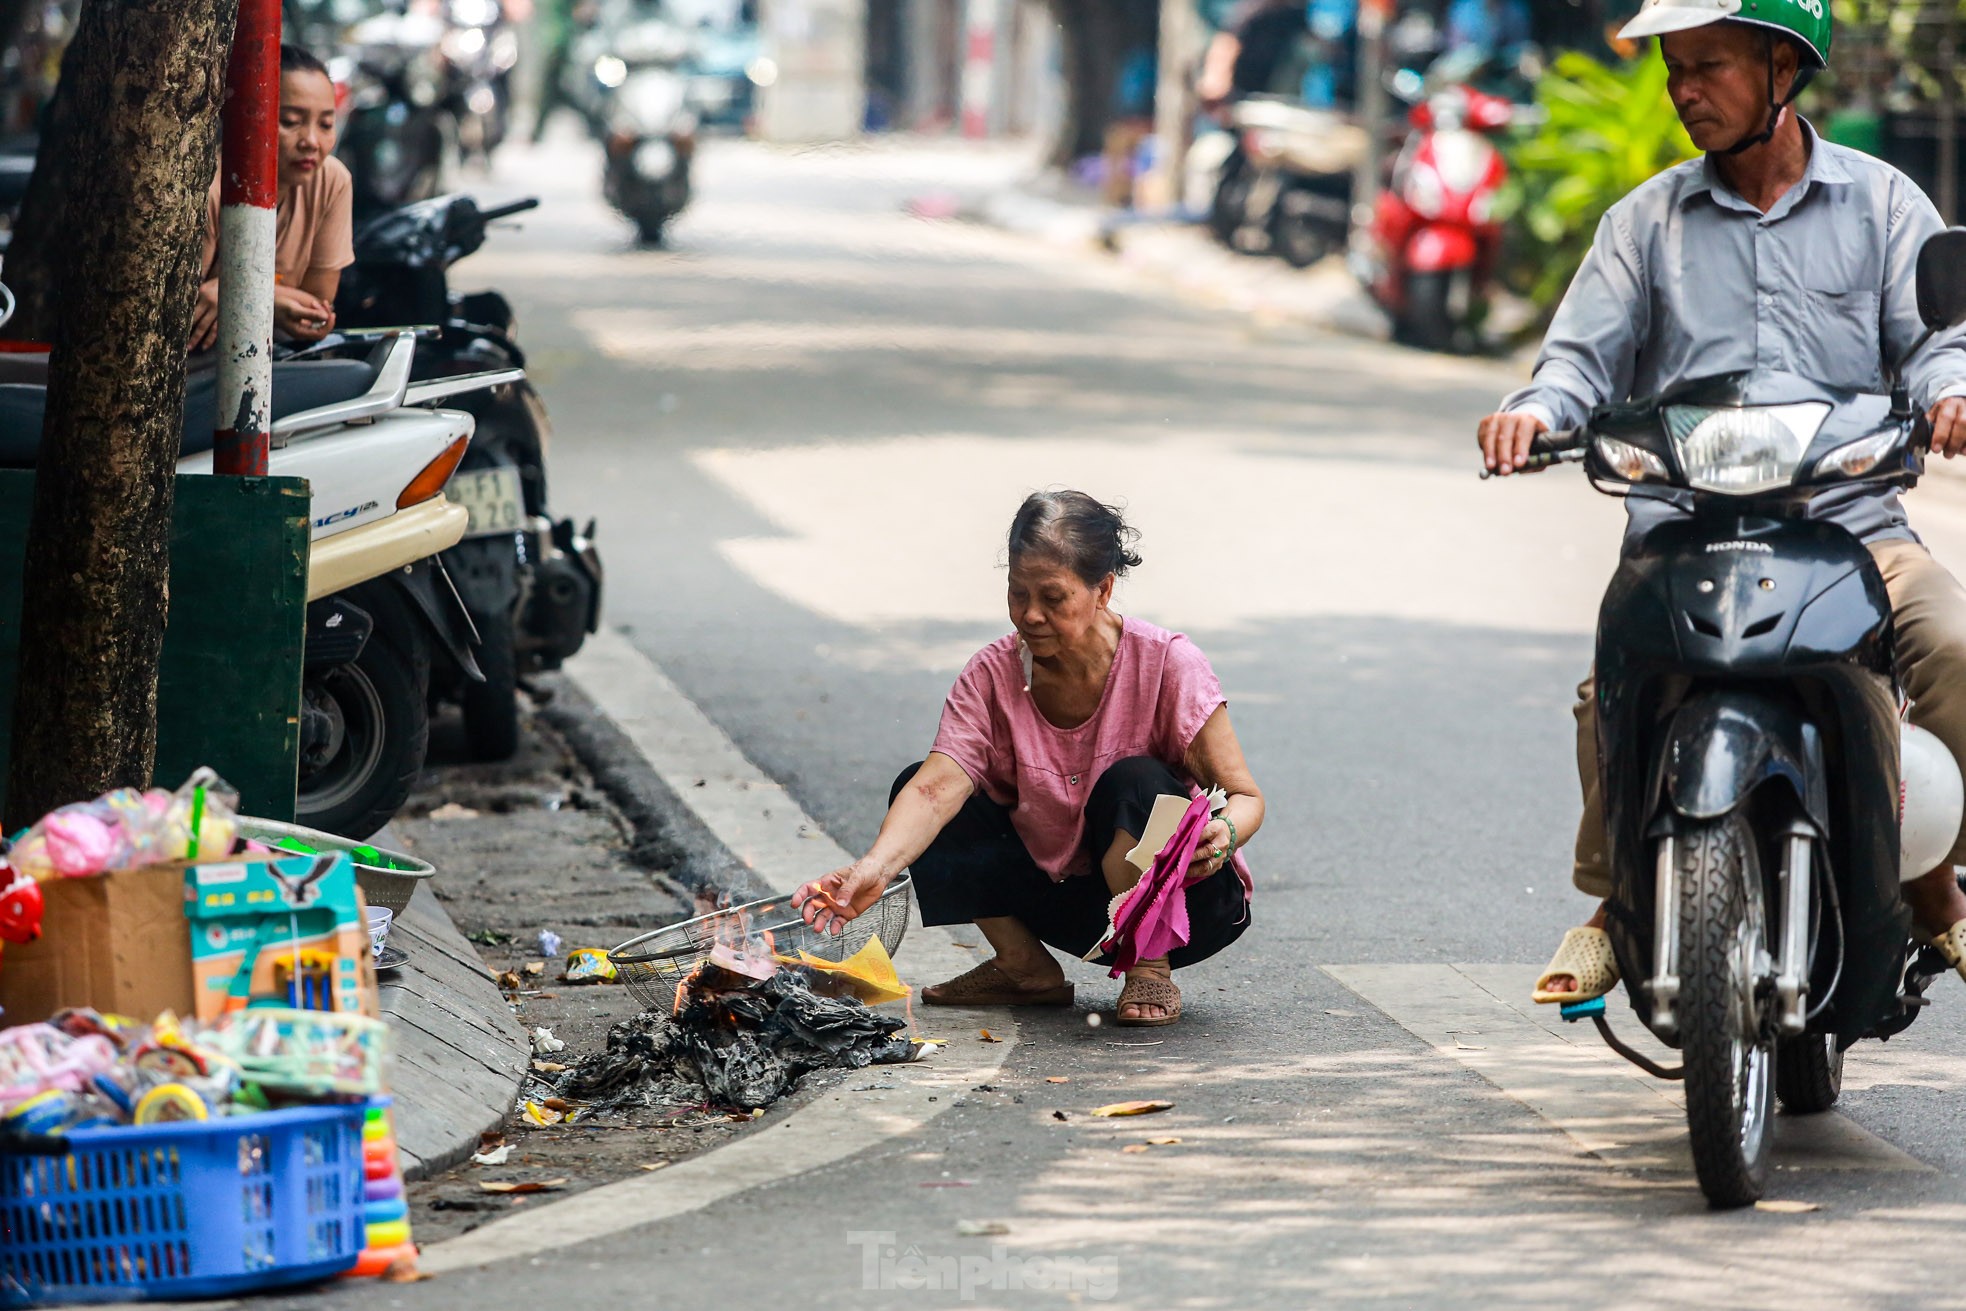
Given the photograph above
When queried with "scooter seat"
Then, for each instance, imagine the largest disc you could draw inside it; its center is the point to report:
(297, 385)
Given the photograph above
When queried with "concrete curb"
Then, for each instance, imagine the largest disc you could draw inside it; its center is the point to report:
(460, 1053)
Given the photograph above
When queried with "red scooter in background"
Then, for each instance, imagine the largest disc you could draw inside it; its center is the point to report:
(1431, 250)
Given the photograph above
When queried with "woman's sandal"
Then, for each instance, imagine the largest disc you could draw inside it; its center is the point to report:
(1144, 990)
(1585, 956)
(986, 985)
(1952, 946)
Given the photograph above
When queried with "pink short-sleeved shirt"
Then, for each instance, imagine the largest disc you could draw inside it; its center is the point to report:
(1159, 693)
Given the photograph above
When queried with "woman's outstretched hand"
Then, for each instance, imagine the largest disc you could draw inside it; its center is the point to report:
(828, 903)
(1214, 838)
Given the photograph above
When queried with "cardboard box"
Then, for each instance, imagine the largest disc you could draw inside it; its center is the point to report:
(259, 923)
(118, 943)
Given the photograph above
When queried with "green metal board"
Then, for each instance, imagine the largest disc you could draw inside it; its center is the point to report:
(228, 689)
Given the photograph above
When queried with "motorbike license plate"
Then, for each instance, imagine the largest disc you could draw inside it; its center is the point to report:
(492, 497)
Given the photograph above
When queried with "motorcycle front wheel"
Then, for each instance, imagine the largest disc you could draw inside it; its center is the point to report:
(1729, 1051)
(1428, 322)
(355, 778)
(1229, 207)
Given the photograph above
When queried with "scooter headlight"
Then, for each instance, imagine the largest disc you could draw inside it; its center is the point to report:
(1740, 452)
(1855, 459)
(1632, 463)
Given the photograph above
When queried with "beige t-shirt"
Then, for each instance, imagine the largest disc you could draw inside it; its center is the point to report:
(315, 223)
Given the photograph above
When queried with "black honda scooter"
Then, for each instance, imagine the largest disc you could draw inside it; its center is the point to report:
(531, 584)
(1748, 738)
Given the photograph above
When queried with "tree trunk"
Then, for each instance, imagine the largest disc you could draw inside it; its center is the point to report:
(143, 81)
(34, 252)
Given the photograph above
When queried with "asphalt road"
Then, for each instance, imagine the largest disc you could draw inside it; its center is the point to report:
(804, 428)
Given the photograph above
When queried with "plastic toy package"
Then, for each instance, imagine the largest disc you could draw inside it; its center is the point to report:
(128, 829)
(83, 1070)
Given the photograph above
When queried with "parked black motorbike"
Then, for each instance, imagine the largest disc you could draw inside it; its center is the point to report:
(532, 585)
(631, 86)
(1749, 741)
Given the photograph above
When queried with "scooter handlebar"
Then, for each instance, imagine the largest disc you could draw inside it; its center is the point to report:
(507, 211)
(1562, 446)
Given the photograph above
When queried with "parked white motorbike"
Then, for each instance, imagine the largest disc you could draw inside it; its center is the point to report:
(377, 453)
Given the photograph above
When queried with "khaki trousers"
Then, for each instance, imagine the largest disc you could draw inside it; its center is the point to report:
(1928, 609)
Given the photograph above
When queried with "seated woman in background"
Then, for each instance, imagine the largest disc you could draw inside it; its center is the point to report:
(1054, 744)
(314, 216)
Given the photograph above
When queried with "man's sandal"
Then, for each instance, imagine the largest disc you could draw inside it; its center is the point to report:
(1952, 946)
(1143, 990)
(986, 985)
(1585, 956)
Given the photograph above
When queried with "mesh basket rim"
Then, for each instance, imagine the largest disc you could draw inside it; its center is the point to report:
(626, 953)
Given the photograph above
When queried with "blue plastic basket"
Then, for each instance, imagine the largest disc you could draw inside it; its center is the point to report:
(184, 1210)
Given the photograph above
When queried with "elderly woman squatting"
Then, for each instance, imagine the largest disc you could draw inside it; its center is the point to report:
(1054, 744)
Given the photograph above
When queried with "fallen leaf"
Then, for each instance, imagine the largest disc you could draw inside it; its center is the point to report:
(1057, 1078)
(1786, 1207)
(535, 968)
(655, 1165)
(1343, 1015)
(403, 1271)
(451, 810)
(541, 1116)
(509, 982)
(549, 1067)
(988, 1036)
(1132, 1108)
(1133, 1148)
(496, 1156)
(1059, 1115)
(555, 1104)
(980, 1228)
(529, 1186)
(1164, 1142)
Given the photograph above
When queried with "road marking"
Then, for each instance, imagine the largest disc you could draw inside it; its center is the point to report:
(757, 819)
(1481, 1016)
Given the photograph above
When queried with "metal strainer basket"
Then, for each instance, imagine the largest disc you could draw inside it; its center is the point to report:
(654, 963)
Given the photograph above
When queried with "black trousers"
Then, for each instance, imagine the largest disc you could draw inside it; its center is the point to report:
(978, 868)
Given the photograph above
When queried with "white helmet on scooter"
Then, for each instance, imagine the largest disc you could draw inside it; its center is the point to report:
(1931, 802)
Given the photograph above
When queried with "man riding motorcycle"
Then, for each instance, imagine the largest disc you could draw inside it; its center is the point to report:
(1776, 250)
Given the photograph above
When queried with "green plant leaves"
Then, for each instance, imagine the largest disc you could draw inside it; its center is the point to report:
(1605, 130)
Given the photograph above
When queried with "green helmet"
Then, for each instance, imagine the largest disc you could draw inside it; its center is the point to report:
(1808, 21)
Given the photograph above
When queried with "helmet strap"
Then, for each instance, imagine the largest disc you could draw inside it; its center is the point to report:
(1775, 107)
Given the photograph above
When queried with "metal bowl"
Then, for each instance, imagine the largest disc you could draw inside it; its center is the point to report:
(654, 963)
(389, 888)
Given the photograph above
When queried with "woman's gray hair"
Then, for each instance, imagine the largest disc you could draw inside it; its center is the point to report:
(1083, 534)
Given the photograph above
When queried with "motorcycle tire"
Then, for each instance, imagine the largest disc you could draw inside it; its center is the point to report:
(1226, 211)
(385, 722)
(649, 231)
(491, 708)
(1808, 1073)
(1728, 1048)
(1299, 239)
(1427, 323)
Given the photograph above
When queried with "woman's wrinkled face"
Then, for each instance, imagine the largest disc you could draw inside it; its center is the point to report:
(306, 125)
(1052, 608)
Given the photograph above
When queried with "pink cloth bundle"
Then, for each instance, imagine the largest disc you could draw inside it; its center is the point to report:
(1152, 919)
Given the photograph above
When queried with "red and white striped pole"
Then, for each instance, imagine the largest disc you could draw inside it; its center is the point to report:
(249, 171)
(979, 72)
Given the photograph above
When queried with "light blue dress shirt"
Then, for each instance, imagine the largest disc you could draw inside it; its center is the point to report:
(1686, 279)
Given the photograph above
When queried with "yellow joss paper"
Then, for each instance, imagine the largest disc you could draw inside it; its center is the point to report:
(869, 972)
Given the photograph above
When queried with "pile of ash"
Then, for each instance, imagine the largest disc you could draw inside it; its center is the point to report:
(733, 1041)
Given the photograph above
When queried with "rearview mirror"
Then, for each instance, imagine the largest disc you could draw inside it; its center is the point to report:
(1942, 279)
